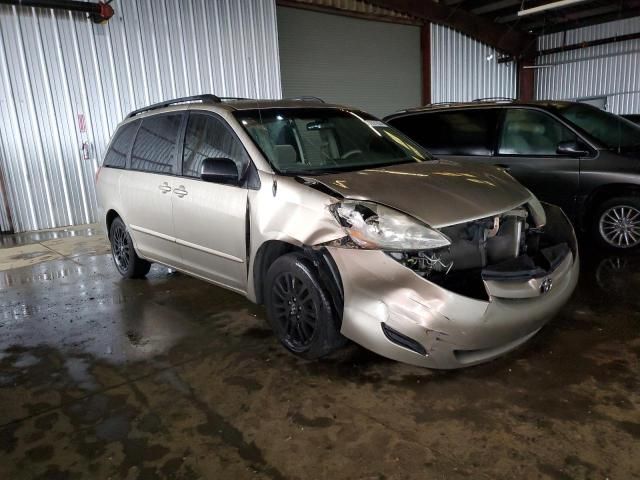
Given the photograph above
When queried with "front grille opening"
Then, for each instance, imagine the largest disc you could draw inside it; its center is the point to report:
(466, 282)
(402, 340)
(504, 247)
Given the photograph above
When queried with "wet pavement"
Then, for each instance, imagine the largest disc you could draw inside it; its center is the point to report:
(170, 377)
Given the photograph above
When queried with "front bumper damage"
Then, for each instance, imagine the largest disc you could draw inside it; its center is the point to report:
(393, 311)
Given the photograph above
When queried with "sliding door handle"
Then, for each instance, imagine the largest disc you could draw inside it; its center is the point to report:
(165, 187)
(180, 191)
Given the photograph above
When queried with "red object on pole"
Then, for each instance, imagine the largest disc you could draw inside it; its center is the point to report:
(106, 12)
(98, 12)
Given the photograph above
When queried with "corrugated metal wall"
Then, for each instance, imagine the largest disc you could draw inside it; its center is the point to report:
(65, 81)
(611, 70)
(463, 69)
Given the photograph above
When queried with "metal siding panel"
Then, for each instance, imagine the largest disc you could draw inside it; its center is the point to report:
(609, 70)
(460, 70)
(55, 65)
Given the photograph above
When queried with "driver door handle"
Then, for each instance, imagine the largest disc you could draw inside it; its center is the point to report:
(165, 187)
(180, 191)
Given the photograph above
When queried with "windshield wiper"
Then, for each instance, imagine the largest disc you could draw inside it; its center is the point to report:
(346, 168)
(310, 171)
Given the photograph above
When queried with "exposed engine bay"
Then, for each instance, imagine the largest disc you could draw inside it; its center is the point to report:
(506, 247)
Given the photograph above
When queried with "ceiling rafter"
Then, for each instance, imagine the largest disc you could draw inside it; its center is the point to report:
(504, 38)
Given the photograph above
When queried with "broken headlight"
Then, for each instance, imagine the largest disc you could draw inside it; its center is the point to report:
(373, 226)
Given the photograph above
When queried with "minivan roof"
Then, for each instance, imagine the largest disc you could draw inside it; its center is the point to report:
(547, 104)
(233, 104)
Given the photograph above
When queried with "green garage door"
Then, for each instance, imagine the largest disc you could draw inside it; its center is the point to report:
(375, 66)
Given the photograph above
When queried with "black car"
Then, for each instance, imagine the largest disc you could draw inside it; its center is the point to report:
(570, 154)
(634, 117)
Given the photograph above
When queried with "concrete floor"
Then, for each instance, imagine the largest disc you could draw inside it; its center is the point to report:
(170, 377)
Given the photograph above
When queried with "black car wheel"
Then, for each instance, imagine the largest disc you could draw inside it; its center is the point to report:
(617, 223)
(299, 309)
(124, 255)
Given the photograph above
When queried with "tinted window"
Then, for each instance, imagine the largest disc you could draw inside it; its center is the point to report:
(531, 132)
(155, 147)
(121, 146)
(208, 137)
(457, 132)
(610, 129)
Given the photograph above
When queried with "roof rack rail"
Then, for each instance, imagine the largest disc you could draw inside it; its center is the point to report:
(494, 99)
(307, 98)
(437, 104)
(225, 99)
(194, 98)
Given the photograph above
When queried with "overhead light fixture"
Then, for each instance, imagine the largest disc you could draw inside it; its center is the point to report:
(548, 6)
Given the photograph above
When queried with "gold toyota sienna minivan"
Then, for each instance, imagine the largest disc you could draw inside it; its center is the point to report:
(340, 225)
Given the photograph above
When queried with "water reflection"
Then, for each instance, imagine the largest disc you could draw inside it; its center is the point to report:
(609, 281)
(27, 238)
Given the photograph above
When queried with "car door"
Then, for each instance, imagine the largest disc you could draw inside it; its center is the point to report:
(209, 217)
(527, 146)
(147, 185)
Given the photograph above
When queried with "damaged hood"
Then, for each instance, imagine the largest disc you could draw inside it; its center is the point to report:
(438, 192)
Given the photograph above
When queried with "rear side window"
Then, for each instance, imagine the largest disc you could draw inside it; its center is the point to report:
(116, 157)
(209, 137)
(155, 147)
(531, 132)
(457, 132)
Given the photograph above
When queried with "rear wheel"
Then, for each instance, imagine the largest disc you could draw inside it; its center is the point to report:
(617, 223)
(124, 255)
(299, 309)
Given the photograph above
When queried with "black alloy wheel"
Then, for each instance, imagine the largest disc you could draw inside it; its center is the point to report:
(127, 261)
(296, 312)
(299, 308)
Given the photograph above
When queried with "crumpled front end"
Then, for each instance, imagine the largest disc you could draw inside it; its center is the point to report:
(499, 282)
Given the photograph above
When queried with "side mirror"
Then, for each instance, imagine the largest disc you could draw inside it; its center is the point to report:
(572, 149)
(220, 170)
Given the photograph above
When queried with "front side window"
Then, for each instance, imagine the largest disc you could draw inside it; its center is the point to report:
(155, 147)
(532, 132)
(116, 157)
(458, 132)
(324, 140)
(611, 130)
(209, 137)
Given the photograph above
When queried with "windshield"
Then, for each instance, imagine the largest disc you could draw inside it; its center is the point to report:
(612, 130)
(325, 140)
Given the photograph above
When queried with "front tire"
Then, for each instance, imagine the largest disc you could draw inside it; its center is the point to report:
(299, 309)
(617, 223)
(127, 262)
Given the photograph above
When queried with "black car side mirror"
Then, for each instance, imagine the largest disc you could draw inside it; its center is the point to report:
(572, 149)
(220, 170)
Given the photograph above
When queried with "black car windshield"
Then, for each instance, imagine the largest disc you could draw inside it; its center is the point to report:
(611, 130)
(325, 140)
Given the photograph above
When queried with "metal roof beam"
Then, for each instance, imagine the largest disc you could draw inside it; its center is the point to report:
(503, 38)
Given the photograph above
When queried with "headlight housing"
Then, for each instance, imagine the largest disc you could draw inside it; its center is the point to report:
(374, 226)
